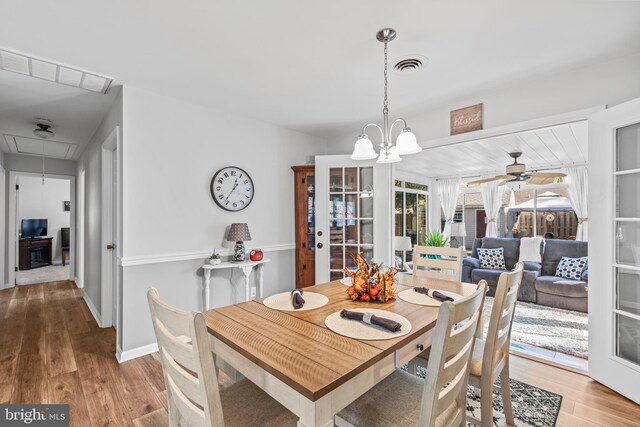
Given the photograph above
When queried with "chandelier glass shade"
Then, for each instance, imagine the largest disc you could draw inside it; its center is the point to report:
(406, 142)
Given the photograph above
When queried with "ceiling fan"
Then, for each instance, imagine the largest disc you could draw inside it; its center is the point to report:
(517, 172)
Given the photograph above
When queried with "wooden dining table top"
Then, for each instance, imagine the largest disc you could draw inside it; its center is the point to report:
(296, 346)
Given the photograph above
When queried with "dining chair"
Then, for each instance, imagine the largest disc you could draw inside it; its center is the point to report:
(433, 262)
(191, 379)
(440, 400)
(491, 354)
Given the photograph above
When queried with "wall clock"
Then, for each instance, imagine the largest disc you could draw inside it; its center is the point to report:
(232, 188)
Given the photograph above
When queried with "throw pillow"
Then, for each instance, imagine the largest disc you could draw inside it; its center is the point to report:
(492, 259)
(530, 249)
(571, 268)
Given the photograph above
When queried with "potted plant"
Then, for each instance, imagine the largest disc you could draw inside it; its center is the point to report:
(214, 259)
(437, 239)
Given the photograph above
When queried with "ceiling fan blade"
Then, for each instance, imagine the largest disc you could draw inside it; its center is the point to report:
(548, 174)
(495, 178)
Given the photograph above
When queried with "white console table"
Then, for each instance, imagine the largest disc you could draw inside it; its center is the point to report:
(246, 267)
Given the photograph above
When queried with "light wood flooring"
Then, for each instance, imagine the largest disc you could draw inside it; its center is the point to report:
(52, 351)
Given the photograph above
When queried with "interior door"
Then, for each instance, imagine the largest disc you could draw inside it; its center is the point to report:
(614, 248)
(353, 214)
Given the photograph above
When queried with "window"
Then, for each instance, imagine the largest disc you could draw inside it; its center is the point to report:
(411, 213)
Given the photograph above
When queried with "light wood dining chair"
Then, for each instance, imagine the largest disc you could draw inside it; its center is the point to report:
(191, 378)
(440, 400)
(433, 262)
(491, 355)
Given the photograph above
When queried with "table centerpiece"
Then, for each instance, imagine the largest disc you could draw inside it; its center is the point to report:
(371, 282)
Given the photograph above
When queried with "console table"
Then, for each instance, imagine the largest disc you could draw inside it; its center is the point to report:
(34, 252)
(246, 267)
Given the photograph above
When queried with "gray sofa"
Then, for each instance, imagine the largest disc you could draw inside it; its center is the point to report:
(539, 283)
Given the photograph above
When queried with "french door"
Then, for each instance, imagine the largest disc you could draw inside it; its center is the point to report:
(614, 248)
(353, 214)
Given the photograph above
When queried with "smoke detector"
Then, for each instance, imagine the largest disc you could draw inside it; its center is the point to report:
(410, 64)
(42, 129)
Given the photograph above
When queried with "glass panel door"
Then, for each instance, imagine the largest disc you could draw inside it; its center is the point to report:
(350, 217)
(627, 244)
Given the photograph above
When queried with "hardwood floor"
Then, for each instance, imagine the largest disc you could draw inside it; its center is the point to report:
(52, 351)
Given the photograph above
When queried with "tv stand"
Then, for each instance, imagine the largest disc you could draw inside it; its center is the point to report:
(35, 252)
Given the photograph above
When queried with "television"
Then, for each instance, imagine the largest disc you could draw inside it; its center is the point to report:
(33, 227)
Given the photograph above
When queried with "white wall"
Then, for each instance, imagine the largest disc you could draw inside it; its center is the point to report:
(171, 149)
(90, 164)
(610, 83)
(45, 200)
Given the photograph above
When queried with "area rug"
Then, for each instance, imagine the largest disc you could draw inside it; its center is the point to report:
(559, 330)
(532, 406)
(50, 273)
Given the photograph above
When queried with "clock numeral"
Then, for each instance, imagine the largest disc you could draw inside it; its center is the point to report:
(246, 181)
(233, 173)
(235, 205)
(226, 203)
(226, 175)
(220, 196)
(241, 175)
(218, 188)
(247, 196)
(220, 180)
(242, 201)
(247, 188)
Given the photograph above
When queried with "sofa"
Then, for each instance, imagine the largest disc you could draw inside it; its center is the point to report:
(539, 283)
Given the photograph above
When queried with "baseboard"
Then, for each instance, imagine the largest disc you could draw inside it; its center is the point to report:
(134, 353)
(78, 284)
(93, 310)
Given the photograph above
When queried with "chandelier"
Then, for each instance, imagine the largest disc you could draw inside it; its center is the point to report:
(406, 142)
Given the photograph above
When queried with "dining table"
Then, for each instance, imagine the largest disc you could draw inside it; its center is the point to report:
(311, 370)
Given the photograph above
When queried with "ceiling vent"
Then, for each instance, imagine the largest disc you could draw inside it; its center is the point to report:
(410, 64)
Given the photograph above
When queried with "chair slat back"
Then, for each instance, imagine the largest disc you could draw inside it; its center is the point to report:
(498, 336)
(431, 262)
(187, 363)
(445, 388)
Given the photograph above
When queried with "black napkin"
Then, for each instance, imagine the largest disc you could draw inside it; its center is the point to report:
(388, 324)
(434, 294)
(296, 298)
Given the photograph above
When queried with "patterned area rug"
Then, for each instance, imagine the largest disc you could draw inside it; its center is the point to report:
(565, 331)
(532, 406)
(50, 273)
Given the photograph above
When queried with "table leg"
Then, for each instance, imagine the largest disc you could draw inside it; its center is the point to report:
(260, 278)
(207, 281)
(247, 274)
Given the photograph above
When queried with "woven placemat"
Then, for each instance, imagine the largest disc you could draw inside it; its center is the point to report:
(282, 301)
(409, 295)
(364, 331)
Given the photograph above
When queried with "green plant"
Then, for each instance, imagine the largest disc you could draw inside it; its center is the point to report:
(215, 255)
(436, 238)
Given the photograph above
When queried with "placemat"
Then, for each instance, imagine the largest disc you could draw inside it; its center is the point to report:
(409, 295)
(347, 281)
(282, 301)
(364, 331)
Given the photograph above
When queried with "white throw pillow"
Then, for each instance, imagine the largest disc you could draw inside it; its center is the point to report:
(530, 249)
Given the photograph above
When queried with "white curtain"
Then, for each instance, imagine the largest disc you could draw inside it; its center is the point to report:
(578, 191)
(492, 200)
(448, 190)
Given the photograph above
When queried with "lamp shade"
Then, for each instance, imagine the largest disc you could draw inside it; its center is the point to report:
(458, 229)
(363, 150)
(393, 156)
(407, 143)
(239, 232)
(402, 243)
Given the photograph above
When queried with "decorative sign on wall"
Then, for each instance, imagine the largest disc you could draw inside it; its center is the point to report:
(66, 205)
(466, 119)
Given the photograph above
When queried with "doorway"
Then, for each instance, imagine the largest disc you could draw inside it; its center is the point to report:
(41, 228)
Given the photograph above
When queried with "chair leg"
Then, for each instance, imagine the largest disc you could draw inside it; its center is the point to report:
(506, 395)
(486, 402)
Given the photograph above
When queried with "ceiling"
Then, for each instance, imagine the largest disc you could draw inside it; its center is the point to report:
(546, 148)
(316, 66)
(75, 113)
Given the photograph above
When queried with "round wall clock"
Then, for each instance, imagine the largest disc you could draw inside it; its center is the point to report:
(232, 188)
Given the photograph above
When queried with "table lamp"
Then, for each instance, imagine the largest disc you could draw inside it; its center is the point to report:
(401, 243)
(458, 229)
(239, 233)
